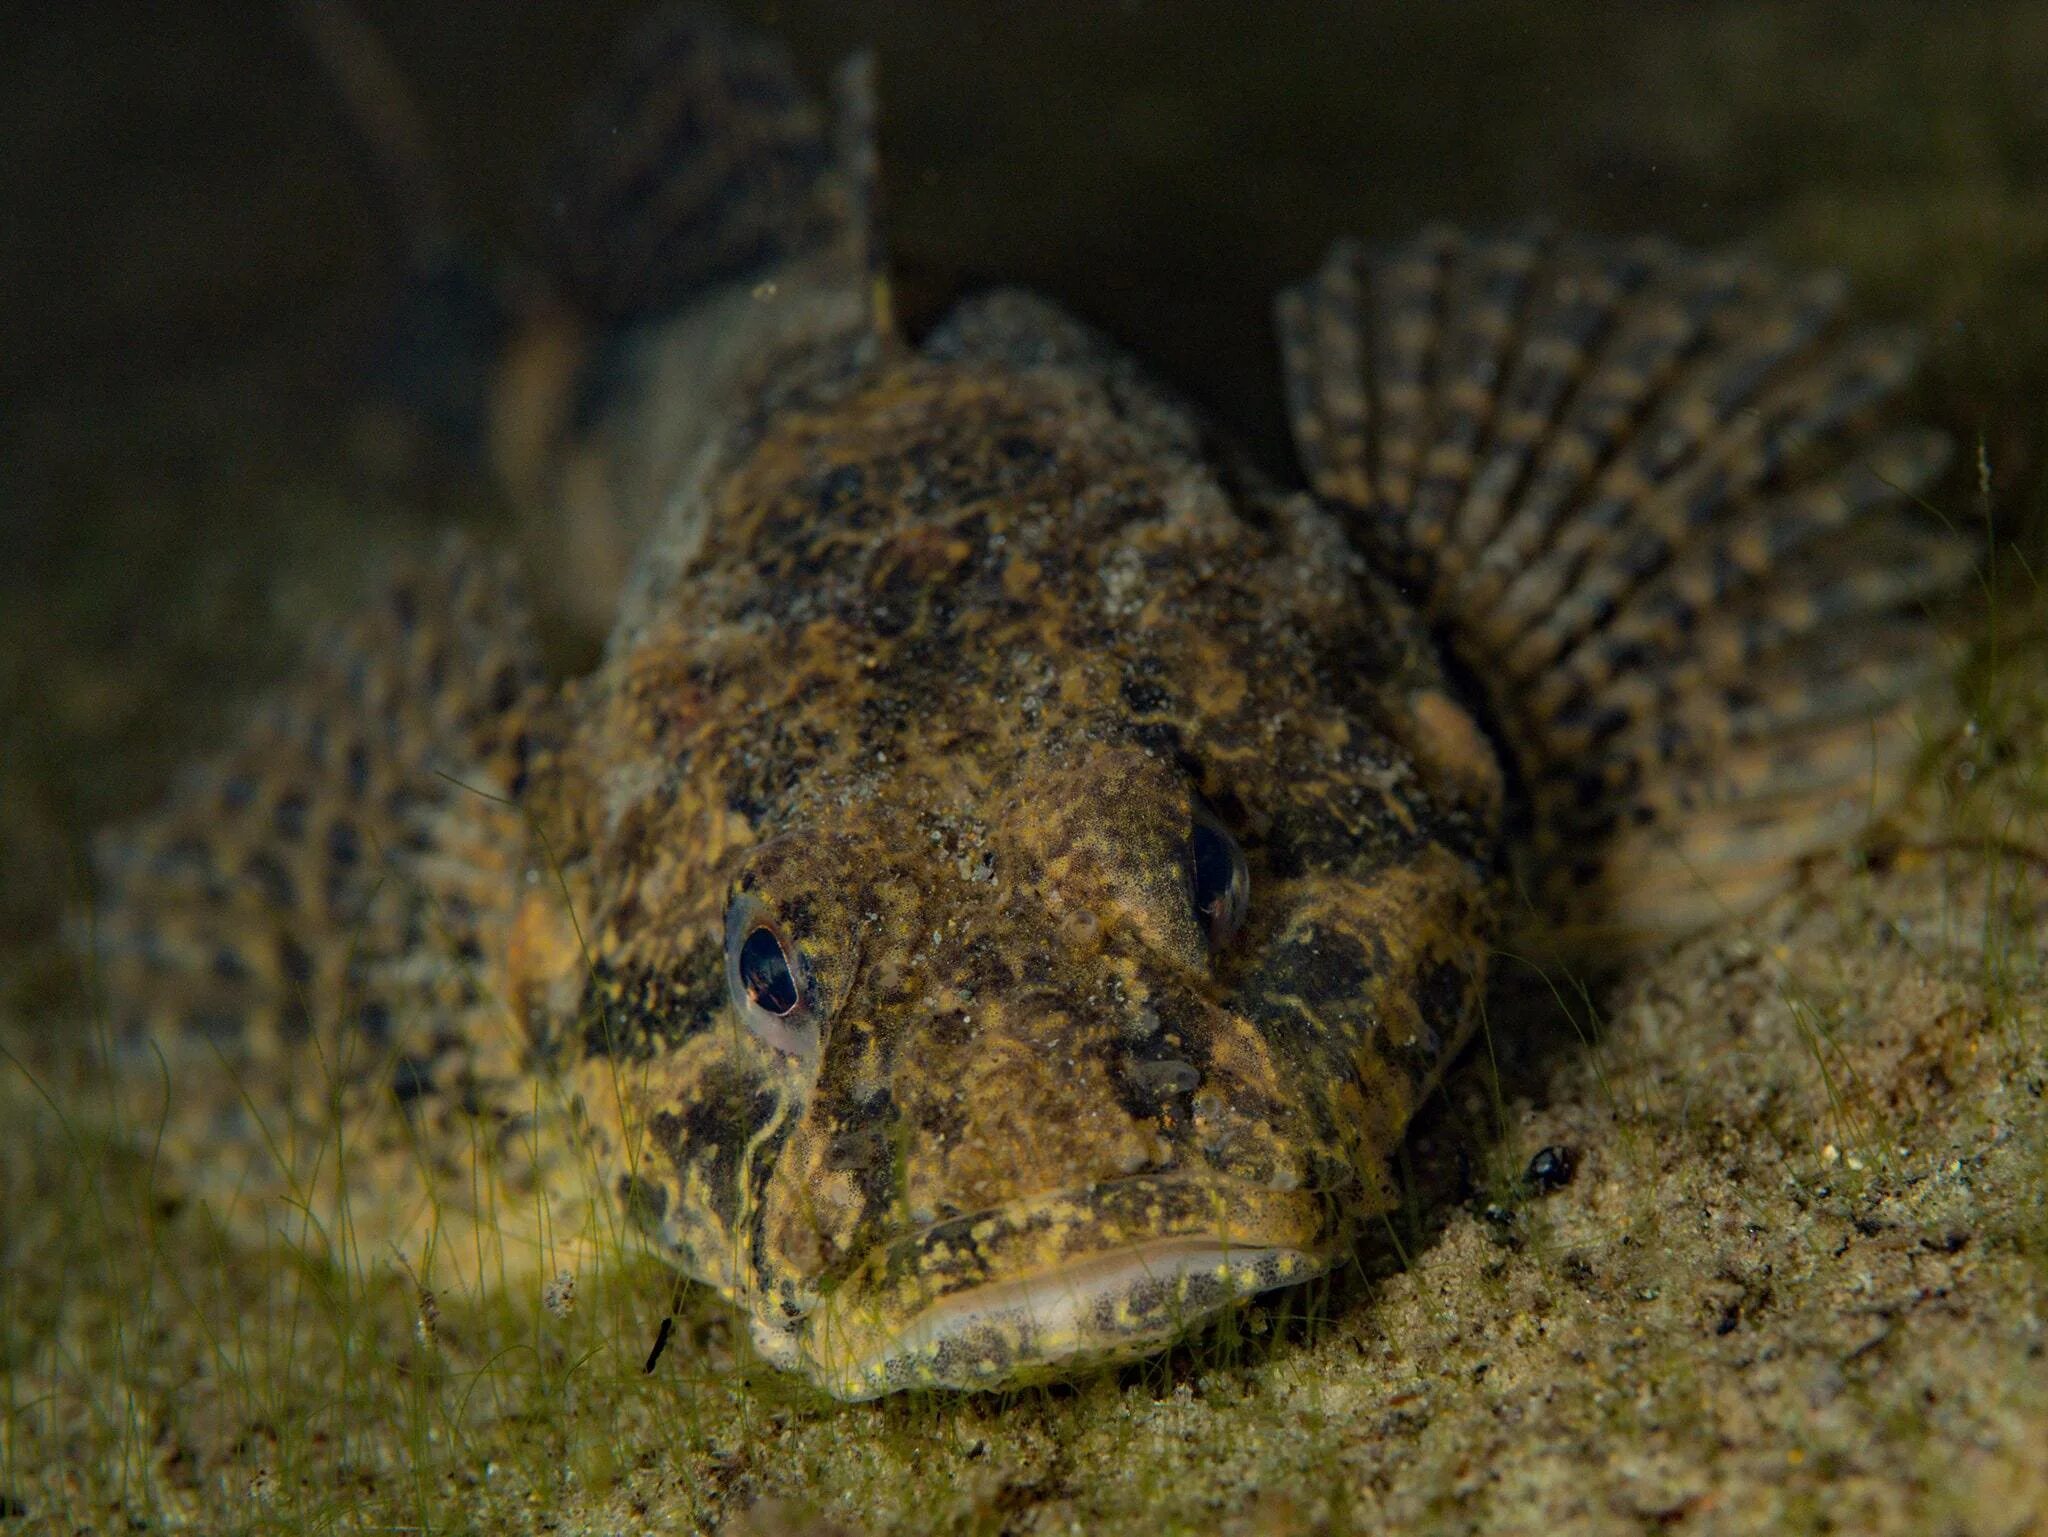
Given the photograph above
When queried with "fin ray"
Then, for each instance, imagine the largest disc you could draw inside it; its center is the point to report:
(312, 931)
(1644, 495)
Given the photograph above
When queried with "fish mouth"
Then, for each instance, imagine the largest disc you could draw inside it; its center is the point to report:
(1058, 1284)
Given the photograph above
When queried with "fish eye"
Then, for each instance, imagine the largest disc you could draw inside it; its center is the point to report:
(768, 980)
(1221, 885)
(765, 973)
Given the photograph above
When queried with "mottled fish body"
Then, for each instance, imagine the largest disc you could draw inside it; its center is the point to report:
(1014, 873)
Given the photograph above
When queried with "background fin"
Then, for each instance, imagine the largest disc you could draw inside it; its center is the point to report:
(1643, 496)
(701, 161)
(707, 240)
(315, 938)
(386, 116)
(435, 355)
(708, 231)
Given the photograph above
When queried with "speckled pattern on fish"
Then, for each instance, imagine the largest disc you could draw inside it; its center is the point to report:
(1014, 872)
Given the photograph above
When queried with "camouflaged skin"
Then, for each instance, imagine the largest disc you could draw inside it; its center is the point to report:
(932, 663)
(962, 648)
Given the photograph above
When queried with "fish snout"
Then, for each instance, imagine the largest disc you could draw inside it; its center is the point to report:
(1055, 1283)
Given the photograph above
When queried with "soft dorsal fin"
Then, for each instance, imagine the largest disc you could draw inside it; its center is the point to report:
(1640, 493)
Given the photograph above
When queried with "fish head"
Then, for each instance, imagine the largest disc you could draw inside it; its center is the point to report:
(1086, 924)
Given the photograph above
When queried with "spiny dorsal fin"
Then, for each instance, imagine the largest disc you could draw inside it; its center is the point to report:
(701, 161)
(708, 227)
(708, 242)
(320, 935)
(1641, 494)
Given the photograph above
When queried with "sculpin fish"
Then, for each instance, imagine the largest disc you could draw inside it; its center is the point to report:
(1015, 871)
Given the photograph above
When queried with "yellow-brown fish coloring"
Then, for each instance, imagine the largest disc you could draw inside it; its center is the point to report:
(1014, 872)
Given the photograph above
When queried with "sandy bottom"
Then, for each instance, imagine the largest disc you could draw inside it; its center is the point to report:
(1797, 1280)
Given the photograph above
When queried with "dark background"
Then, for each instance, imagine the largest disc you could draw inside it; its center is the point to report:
(194, 256)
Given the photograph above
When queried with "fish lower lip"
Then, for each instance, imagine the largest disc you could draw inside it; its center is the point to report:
(1058, 1284)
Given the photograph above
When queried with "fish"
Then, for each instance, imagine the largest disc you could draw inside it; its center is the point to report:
(1016, 868)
